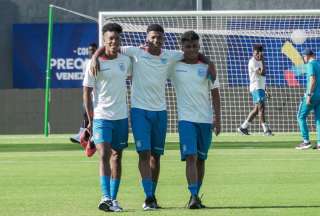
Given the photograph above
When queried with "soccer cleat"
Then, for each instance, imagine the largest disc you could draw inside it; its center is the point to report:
(105, 204)
(76, 138)
(115, 207)
(268, 133)
(303, 146)
(243, 131)
(316, 147)
(149, 204)
(87, 143)
(194, 203)
(156, 203)
(202, 206)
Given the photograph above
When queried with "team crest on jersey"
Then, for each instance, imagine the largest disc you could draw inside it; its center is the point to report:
(163, 60)
(184, 148)
(202, 72)
(122, 67)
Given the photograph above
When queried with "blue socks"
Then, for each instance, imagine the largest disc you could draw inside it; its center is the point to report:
(147, 187)
(105, 186)
(114, 188)
(109, 187)
(193, 188)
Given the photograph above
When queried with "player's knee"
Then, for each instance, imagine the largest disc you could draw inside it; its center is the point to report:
(260, 106)
(155, 157)
(116, 157)
(191, 158)
(201, 161)
(104, 155)
(256, 109)
(144, 156)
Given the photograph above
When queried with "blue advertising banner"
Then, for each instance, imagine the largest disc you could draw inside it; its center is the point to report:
(283, 60)
(70, 50)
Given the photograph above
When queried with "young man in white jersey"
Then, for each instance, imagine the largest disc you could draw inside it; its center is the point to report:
(148, 105)
(108, 116)
(195, 116)
(257, 75)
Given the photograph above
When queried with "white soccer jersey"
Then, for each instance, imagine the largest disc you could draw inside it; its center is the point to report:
(109, 88)
(192, 90)
(256, 81)
(149, 76)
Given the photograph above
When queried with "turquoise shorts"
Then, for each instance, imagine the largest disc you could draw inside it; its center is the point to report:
(258, 96)
(114, 132)
(195, 139)
(149, 130)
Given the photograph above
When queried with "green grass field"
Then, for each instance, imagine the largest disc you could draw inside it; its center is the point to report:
(245, 176)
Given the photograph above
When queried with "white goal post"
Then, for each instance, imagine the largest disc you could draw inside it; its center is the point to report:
(227, 38)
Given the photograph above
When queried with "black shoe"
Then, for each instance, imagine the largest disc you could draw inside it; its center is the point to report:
(194, 203)
(203, 206)
(105, 205)
(149, 204)
(243, 131)
(200, 198)
(74, 139)
(155, 202)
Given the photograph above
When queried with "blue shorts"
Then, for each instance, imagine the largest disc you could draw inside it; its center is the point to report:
(195, 139)
(114, 132)
(258, 96)
(149, 130)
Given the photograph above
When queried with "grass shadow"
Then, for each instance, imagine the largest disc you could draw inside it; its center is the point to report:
(263, 207)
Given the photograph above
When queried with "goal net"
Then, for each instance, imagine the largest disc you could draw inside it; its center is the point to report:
(227, 37)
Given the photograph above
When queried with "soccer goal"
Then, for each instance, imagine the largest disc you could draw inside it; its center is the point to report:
(227, 37)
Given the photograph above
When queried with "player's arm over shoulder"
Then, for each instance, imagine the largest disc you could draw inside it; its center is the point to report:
(175, 55)
(130, 50)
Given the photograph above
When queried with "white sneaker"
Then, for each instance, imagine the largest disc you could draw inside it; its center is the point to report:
(303, 146)
(115, 206)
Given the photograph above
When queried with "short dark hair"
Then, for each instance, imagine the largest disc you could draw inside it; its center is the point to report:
(112, 27)
(307, 51)
(155, 27)
(93, 45)
(189, 36)
(258, 48)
